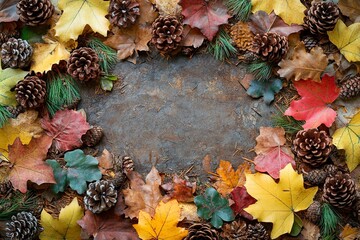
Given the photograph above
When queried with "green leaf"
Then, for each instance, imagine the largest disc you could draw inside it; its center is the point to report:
(266, 89)
(297, 226)
(60, 176)
(33, 34)
(213, 206)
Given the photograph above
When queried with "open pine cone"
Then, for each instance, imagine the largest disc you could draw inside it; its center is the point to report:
(271, 47)
(34, 12)
(201, 231)
(242, 36)
(123, 13)
(93, 136)
(23, 225)
(16, 53)
(350, 88)
(100, 196)
(8, 30)
(84, 65)
(234, 230)
(30, 92)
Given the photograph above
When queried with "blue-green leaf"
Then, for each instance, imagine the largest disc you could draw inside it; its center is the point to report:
(266, 89)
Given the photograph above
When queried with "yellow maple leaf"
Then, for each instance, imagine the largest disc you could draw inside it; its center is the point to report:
(277, 202)
(229, 178)
(66, 226)
(291, 11)
(347, 40)
(348, 138)
(25, 126)
(79, 13)
(163, 225)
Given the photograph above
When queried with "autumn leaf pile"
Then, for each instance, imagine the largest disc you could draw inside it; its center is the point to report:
(300, 181)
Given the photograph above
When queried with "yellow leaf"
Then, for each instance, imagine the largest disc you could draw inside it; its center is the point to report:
(347, 39)
(163, 225)
(277, 202)
(349, 233)
(168, 7)
(348, 138)
(25, 126)
(188, 211)
(66, 226)
(291, 11)
(79, 13)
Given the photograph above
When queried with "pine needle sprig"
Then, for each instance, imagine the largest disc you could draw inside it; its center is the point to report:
(222, 47)
(329, 221)
(261, 71)
(240, 8)
(288, 123)
(4, 115)
(17, 203)
(107, 55)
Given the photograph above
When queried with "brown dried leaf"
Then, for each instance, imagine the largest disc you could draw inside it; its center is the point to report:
(309, 231)
(106, 163)
(192, 37)
(269, 138)
(180, 190)
(350, 8)
(349, 233)
(168, 7)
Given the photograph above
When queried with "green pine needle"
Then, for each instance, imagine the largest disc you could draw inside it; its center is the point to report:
(288, 123)
(329, 221)
(4, 115)
(17, 203)
(261, 71)
(222, 48)
(240, 8)
(107, 55)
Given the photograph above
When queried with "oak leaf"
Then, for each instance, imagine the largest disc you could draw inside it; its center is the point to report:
(66, 226)
(313, 106)
(229, 178)
(79, 13)
(179, 189)
(350, 8)
(205, 15)
(163, 225)
(348, 138)
(347, 40)
(27, 163)
(278, 202)
(304, 65)
(66, 128)
(242, 200)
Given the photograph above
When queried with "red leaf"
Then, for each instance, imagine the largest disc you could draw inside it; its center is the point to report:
(28, 163)
(242, 200)
(205, 15)
(180, 190)
(313, 106)
(66, 128)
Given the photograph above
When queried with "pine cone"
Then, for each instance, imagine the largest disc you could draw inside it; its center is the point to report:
(5, 188)
(34, 12)
(350, 88)
(315, 177)
(340, 190)
(123, 13)
(201, 231)
(313, 213)
(15, 111)
(23, 225)
(310, 42)
(242, 36)
(271, 47)
(257, 232)
(100, 196)
(30, 92)
(330, 169)
(312, 146)
(84, 64)
(167, 33)
(127, 164)
(93, 136)
(321, 17)
(16, 53)
(234, 230)
(8, 30)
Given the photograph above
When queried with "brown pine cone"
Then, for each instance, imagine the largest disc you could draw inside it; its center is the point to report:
(340, 190)
(271, 47)
(34, 12)
(127, 164)
(321, 17)
(100, 196)
(312, 146)
(315, 177)
(310, 42)
(84, 65)
(123, 13)
(201, 231)
(16, 53)
(313, 213)
(234, 230)
(15, 111)
(30, 92)
(8, 30)
(93, 136)
(5, 188)
(23, 225)
(242, 36)
(167, 33)
(350, 88)
(257, 232)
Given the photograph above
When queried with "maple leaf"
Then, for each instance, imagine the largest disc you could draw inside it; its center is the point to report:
(66, 128)
(107, 225)
(8, 11)
(189, 211)
(278, 202)
(347, 40)
(241, 199)
(27, 163)
(349, 233)
(261, 23)
(163, 225)
(66, 226)
(229, 178)
(79, 13)
(348, 138)
(350, 8)
(180, 189)
(205, 15)
(304, 65)
(313, 106)
(291, 11)
(141, 195)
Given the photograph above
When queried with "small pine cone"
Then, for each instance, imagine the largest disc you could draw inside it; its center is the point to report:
(312, 146)
(330, 170)
(123, 13)
(313, 213)
(315, 177)
(16, 53)
(84, 65)
(167, 33)
(100, 196)
(8, 30)
(271, 47)
(34, 12)
(5, 188)
(93, 136)
(350, 88)
(127, 164)
(234, 230)
(30, 92)
(15, 111)
(257, 232)
(340, 190)
(321, 17)
(310, 42)
(201, 231)
(242, 36)
(23, 225)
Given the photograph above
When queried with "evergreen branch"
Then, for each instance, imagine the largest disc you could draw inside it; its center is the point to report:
(107, 55)
(222, 47)
(4, 115)
(240, 8)
(329, 221)
(261, 71)
(288, 123)
(17, 203)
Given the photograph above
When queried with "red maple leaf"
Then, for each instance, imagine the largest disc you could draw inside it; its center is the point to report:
(313, 106)
(242, 199)
(66, 128)
(205, 15)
